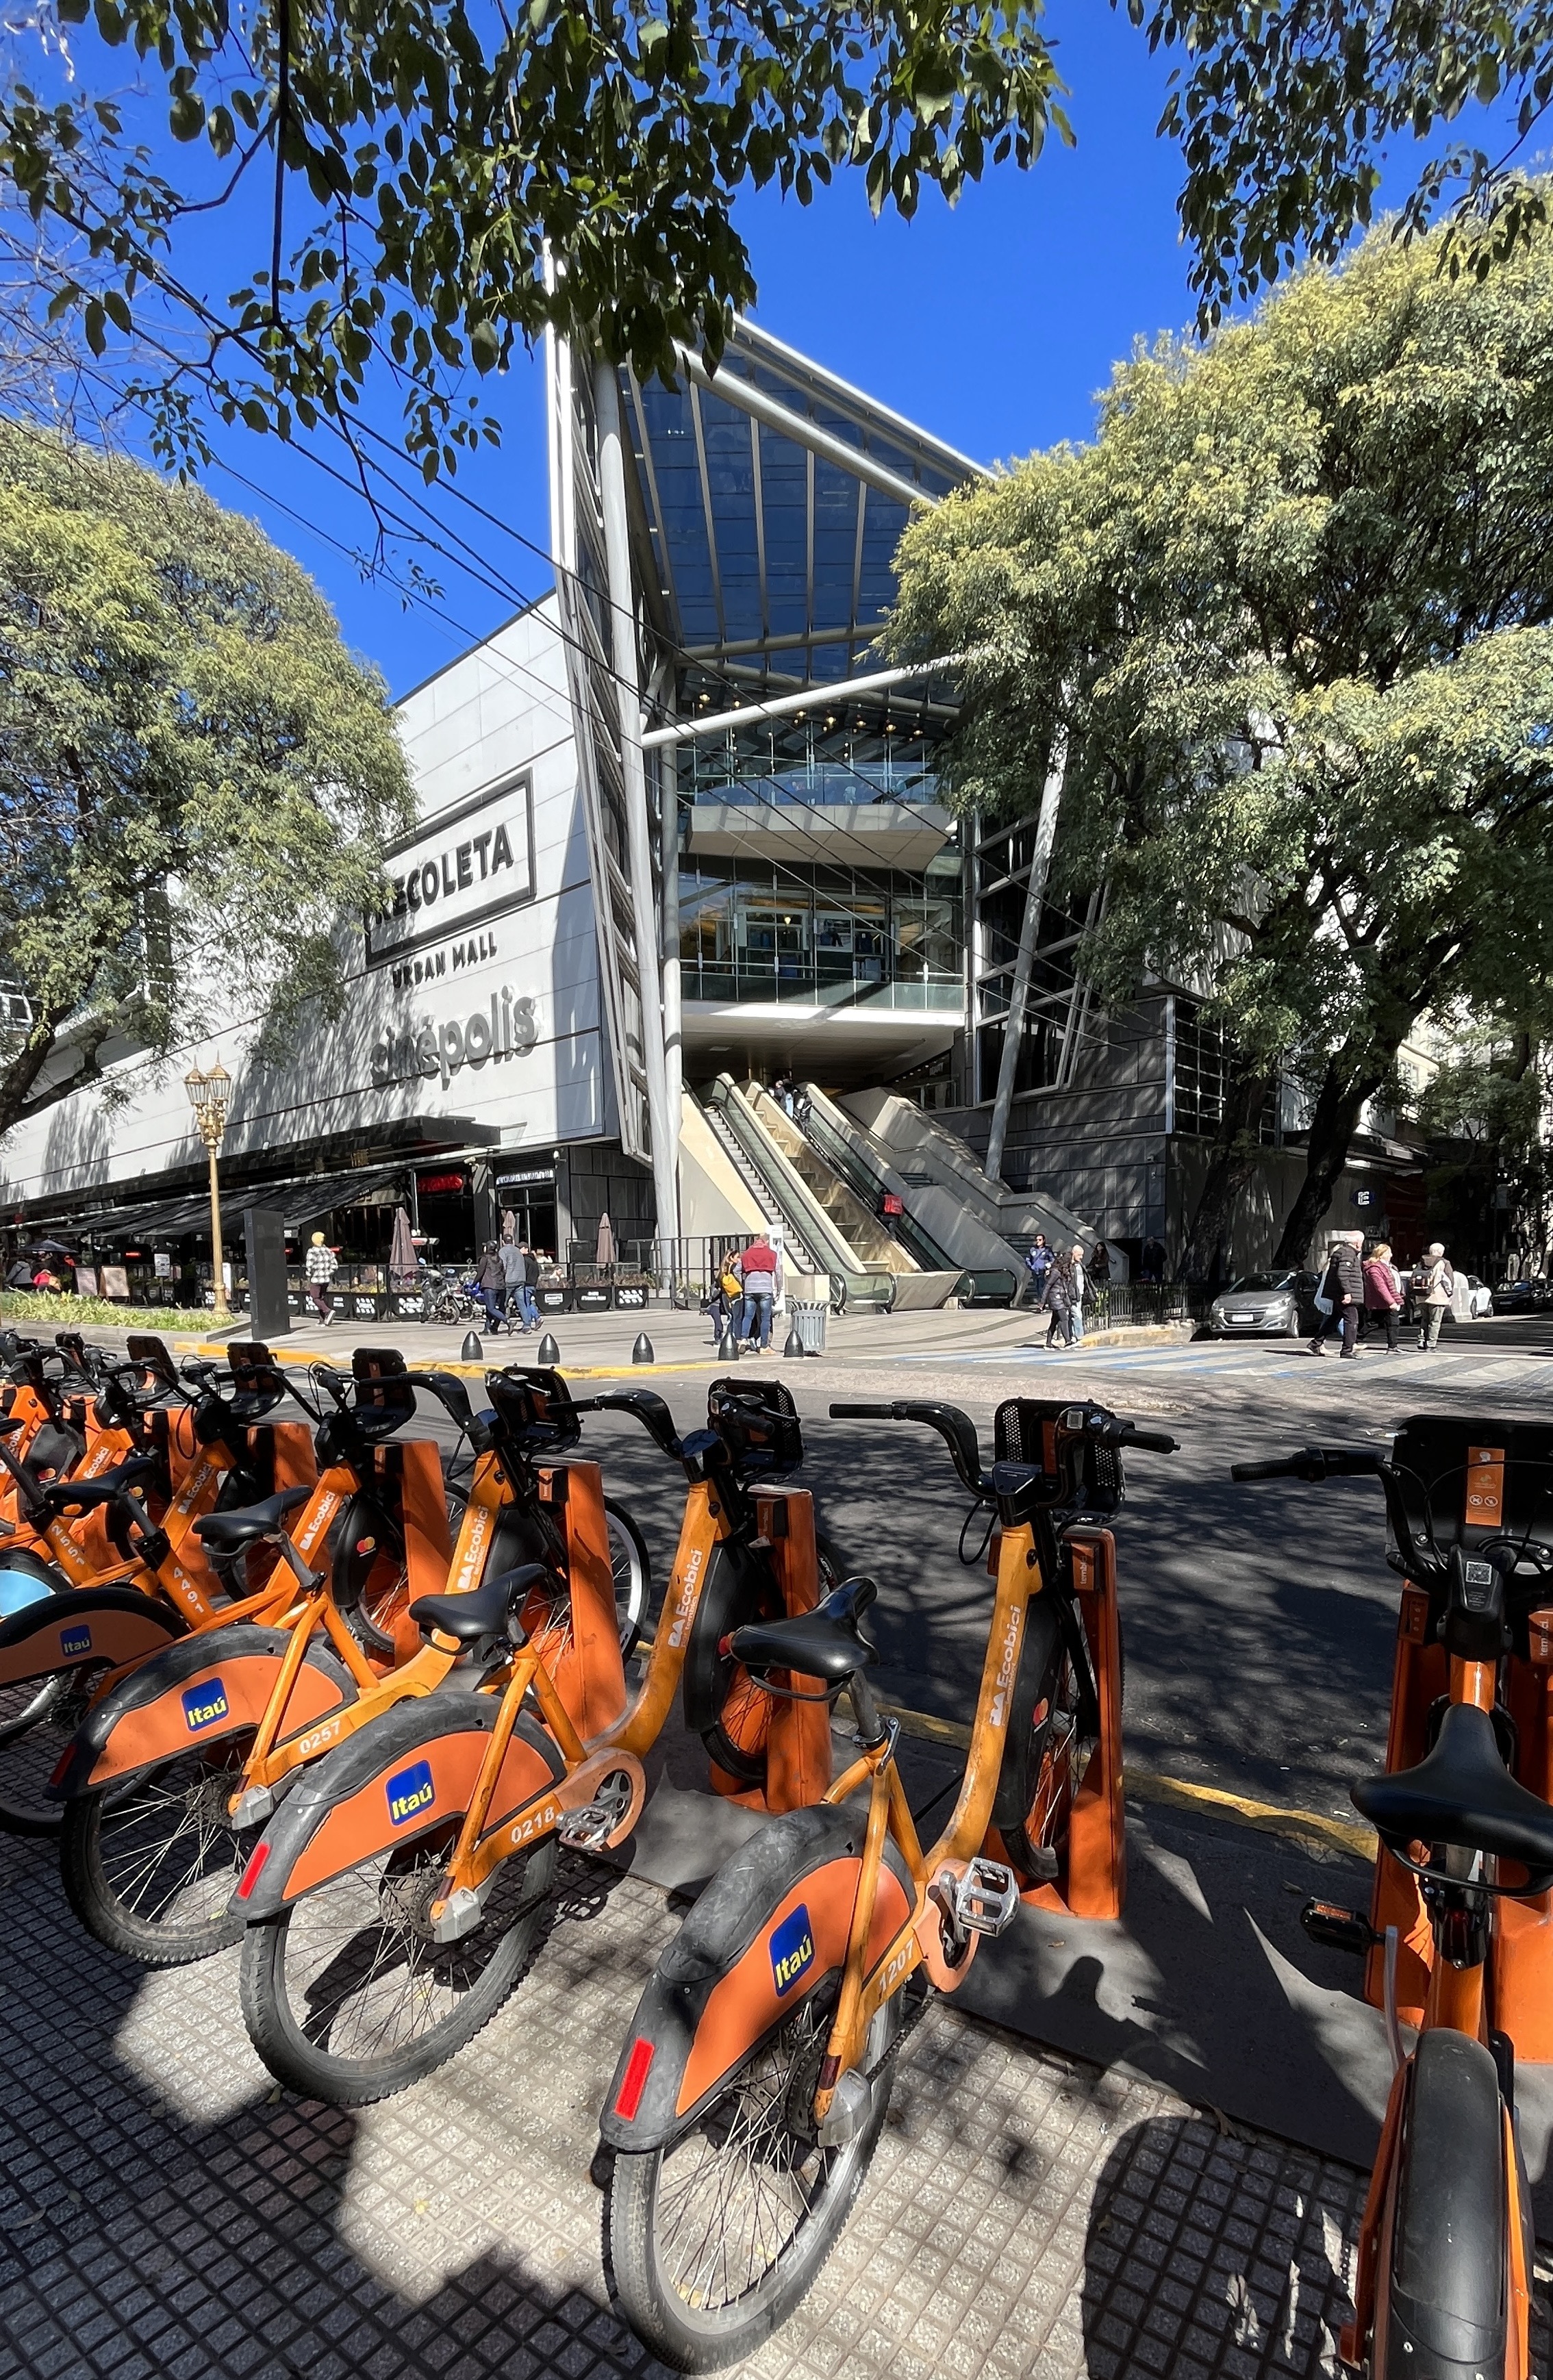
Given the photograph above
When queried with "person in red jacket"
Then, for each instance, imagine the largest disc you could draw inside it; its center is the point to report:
(758, 1263)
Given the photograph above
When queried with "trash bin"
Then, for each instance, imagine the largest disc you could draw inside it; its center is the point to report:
(808, 1322)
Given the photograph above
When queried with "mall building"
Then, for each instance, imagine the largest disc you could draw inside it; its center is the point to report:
(679, 840)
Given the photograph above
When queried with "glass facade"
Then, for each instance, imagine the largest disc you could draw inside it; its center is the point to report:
(759, 931)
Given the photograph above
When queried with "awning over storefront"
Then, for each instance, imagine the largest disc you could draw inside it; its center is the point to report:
(298, 1201)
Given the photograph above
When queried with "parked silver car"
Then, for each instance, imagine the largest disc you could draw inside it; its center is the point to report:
(1264, 1301)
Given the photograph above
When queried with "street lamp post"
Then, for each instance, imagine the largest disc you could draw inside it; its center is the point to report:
(209, 1096)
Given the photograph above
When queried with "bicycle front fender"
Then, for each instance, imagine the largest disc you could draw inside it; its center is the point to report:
(409, 1772)
(84, 1626)
(771, 1924)
(208, 1685)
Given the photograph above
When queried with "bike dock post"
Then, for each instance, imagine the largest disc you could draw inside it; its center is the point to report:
(798, 1742)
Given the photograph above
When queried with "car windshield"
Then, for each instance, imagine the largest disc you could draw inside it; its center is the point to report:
(1260, 1281)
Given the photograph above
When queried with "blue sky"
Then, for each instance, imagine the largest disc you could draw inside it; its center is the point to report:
(993, 325)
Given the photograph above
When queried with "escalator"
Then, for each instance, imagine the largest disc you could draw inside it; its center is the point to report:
(826, 1205)
(947, 1236)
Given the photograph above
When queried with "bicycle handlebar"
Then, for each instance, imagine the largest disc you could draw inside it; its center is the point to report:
(1143, 1442)
(956, 1429)
(1316, 1462)
(647, 1407)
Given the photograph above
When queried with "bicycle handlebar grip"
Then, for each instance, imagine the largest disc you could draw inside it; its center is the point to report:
(1280, 1470)
(865, 1413)
(1151, 1441)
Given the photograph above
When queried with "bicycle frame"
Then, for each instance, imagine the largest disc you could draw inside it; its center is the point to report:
(1458, 2000)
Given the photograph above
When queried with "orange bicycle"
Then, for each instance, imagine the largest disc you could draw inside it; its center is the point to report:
(394, 1896)
(1459, 1941)
(754, 2082)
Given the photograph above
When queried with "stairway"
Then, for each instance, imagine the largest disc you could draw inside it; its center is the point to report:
(799, 1258)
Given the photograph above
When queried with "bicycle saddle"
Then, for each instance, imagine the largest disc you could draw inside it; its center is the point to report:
(1461, 1793)
(86, 1495)
(484, 1611)
(228, 1532)
(824, 1643)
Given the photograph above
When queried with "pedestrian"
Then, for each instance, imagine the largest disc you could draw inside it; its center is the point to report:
(1038, 1263)
(511, 1255)
(490, 1285)
(758, 1265)
(1061, 1292)
(1083, 1294)
(1151, 1260)
(1099, 1265)
(319, 1266)
(726, 1302)
(1343, 1285)
(1384, 1294)
(1435, 1283)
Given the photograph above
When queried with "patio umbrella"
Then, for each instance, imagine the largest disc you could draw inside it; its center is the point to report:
(603, 1253)
(401, 1253)
(52, 1248)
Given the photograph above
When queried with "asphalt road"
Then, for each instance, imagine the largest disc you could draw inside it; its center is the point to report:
(1258, 1622)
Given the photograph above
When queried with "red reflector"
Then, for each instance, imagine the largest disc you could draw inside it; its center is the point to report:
(629, 2097)
(254, 1870)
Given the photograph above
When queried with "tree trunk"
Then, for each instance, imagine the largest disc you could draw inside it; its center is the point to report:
(1233, 1162)
(1336, 1119)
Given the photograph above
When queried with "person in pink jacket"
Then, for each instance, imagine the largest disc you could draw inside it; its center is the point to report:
(1384, 1294)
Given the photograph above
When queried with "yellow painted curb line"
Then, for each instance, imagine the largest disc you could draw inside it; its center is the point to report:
(467, 1371)
(1146, 1785)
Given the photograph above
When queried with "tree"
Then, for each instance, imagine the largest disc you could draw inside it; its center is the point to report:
(1292, 608)
(196, 778)
(1485, 1114)
(466, 178)
(1285, 115)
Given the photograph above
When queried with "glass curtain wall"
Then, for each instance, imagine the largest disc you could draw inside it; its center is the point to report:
(752, 930)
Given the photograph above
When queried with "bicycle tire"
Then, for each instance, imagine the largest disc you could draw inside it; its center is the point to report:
(302, 2034)
(1447, 2308)
(167, 1919)
(1043, 1753)
(631, 1568)
(723, 1704)
(371, 1619)
(701, 2337)
(38, 1717)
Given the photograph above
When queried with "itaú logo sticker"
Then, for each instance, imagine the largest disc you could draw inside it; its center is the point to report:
(410, 1792)
(791, 1951)
(73, 1642)
(203, 1704)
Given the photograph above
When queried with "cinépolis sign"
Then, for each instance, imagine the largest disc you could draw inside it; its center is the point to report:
(457, 869)
(506, 1029)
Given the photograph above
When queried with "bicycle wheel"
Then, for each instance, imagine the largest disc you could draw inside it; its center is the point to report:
(150, 1867)
(370, 1617)
(633, 1572)
(38, 1719)
(715, 2238)
(347, 1996)
(1043, 1753)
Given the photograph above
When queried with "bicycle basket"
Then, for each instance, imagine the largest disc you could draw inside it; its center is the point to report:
(1465, 1480)
(384, 1398)
(534, 1410)
(757, 1422)
(1080, 1474)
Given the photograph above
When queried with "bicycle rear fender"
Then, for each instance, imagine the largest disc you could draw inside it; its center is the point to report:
(409, 1771)
(208, 1685)
(84, 1626)
(1444, 2308)
(772, 1921)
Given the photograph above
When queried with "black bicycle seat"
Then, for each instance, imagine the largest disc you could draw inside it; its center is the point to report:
(484, 1611)
(1461, 1793)
(824, 1643)
(86, 1495)
(228, 1532)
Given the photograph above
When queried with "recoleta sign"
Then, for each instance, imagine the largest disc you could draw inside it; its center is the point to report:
(457, 869)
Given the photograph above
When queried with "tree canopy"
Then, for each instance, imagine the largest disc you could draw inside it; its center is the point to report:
(413, 184)
(196, 778)
(1286, 115)
(1294, 609)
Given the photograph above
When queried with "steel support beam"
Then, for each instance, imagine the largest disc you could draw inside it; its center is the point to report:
(815, 698)
(747, 398)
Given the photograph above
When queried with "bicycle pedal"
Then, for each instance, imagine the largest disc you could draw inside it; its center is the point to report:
(588, 1828)
(1337, 1929)
(986, 1899)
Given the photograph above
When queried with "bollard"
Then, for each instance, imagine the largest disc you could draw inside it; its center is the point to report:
(471, 1351)
(549, 1355)
(794, 1344)
(728, 1348)
(642, 1351)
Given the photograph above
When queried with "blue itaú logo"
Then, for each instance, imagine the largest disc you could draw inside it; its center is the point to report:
(791, 1951)
(73, 1641)
(202, 1705)
(410, 1792)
